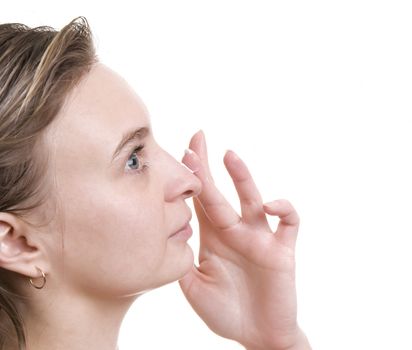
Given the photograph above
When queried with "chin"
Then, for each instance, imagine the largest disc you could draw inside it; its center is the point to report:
(187, 263)
(179, 267)
(172, 269)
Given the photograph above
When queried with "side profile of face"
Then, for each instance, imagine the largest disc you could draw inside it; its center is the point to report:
(117, 211)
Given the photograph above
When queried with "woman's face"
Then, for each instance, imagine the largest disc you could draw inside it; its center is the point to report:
(118, 210)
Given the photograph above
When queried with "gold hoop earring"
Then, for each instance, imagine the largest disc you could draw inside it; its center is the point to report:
(44, 280)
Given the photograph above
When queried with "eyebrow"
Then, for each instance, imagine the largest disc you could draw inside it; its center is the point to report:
(128, 137)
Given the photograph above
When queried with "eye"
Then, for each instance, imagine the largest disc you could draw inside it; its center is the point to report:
(134, 162)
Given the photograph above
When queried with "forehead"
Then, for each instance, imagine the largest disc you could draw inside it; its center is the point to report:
(104, 94)
(97, 113)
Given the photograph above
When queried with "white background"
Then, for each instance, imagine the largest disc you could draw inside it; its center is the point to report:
(316, 97)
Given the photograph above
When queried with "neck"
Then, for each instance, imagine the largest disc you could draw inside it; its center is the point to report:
(68, 323)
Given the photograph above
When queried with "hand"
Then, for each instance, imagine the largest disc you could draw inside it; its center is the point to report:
(244, 287)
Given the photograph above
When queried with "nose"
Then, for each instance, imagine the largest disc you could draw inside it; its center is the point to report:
(180, 182)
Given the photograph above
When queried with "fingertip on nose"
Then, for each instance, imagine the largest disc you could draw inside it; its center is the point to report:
(191, 160)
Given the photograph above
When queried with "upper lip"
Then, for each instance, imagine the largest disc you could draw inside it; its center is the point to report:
(183, 226)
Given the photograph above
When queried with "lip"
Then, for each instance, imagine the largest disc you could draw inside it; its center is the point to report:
(183, 233)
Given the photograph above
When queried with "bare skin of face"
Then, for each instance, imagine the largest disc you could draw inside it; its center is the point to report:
(122, 226)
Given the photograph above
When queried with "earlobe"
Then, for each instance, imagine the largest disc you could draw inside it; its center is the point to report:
(15, 253)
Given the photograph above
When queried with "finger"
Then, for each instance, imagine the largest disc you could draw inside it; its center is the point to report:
(187, 280)
(204, 223)
(288, 226)
(249, 195)
(198, 145)
(200, 213)
(218, 210)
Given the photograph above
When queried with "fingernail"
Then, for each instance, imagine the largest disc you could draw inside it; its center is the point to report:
(272, 204)
(189, 159)
(232, 154)
(199, 133)
(188, 151)
(202, 141)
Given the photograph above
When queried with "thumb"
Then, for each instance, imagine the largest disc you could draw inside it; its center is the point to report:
(186, 282)
(288, 226)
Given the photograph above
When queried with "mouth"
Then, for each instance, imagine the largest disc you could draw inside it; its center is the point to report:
(184, 233)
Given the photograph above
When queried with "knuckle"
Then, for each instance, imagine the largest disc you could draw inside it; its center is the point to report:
(251, 202)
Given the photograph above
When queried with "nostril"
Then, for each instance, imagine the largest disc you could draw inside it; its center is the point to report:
(188, 193)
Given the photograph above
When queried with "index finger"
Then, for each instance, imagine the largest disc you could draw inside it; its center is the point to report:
(216, 207)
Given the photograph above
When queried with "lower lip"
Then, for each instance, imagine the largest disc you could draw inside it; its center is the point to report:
(184, 234)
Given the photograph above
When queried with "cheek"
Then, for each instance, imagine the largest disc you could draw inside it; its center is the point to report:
(113, 240)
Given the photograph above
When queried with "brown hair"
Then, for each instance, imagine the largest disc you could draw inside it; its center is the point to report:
(38, 68)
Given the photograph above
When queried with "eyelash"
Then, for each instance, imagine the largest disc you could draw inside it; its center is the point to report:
(143, 165)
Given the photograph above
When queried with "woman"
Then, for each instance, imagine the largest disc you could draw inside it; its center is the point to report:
(93, 211)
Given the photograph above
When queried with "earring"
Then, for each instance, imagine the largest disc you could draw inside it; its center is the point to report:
(44, 280)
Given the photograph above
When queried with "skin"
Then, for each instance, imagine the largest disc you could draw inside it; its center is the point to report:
(113, 224)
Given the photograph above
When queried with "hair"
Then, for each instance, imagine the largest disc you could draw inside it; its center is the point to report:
(39, 67)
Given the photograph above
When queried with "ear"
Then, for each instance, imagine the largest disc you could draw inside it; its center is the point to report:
(19, 251)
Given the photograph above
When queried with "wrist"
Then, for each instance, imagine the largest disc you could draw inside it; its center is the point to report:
(300, 342)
